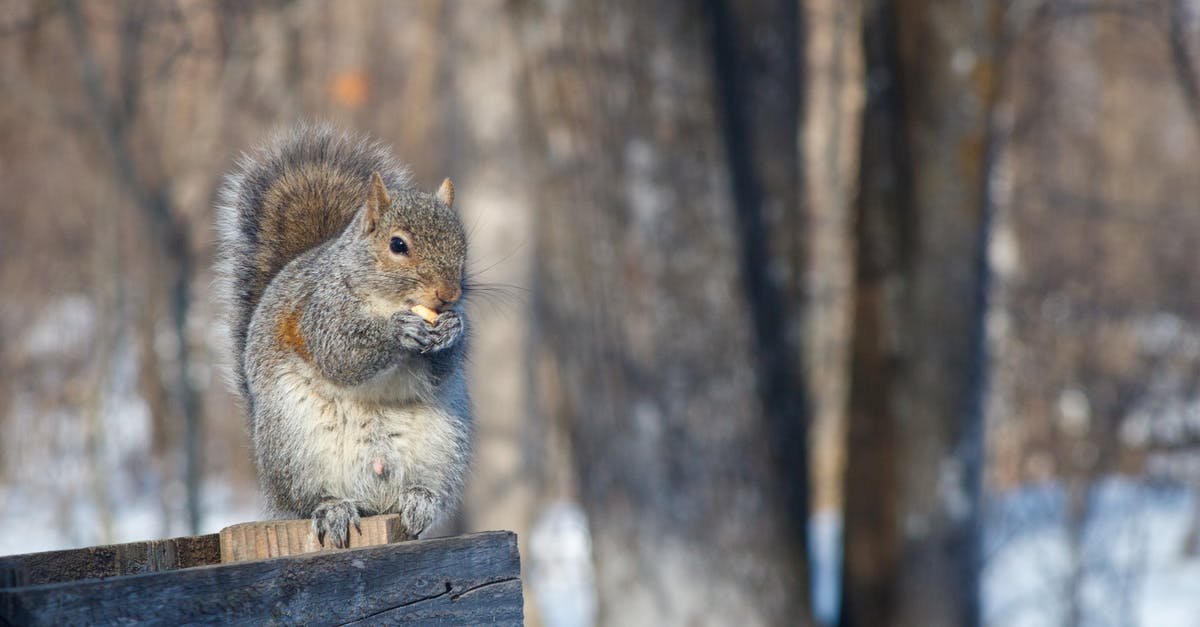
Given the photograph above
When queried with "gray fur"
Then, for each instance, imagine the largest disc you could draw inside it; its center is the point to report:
(272, 167)
(359, 406)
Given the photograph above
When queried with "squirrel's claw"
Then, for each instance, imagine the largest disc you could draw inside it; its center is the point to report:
(332, 519)
(417, 334)
(418, 509)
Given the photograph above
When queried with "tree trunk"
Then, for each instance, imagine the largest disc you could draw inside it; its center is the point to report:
(666, 188)
(1097, 350)
(911, 539)
(114, 115)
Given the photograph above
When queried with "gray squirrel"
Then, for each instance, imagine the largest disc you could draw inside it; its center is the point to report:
(357, 403)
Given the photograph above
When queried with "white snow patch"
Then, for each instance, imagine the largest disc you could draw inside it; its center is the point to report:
(825, 564)
(1131, 565)
(560, 566)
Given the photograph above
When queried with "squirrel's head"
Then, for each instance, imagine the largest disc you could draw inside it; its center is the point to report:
(418, 246)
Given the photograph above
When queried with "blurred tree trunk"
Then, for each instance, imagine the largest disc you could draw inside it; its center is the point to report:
(517, 466)
(833, 88)
(915, 450)
(113, 114)
(1097, 350)
(834, 92)
(667, 280)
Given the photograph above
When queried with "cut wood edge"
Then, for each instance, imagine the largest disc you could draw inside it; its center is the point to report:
(280, 538)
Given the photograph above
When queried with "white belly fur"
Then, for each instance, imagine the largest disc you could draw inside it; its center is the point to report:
(340, 435)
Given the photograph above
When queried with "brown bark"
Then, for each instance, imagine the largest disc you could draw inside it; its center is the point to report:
(831, 138)
(139, 174)
(914, 453)
(661, 194)
(1098, 231)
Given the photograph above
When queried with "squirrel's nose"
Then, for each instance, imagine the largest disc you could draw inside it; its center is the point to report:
(447, 295)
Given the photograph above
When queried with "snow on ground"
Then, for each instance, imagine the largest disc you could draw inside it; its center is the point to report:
(74, 478)
(559, 566)
(1134, 562)
(825, 564)
(35, 520)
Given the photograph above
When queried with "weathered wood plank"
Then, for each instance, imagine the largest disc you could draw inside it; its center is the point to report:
(108, 561)
(279, 538)
(473, 579)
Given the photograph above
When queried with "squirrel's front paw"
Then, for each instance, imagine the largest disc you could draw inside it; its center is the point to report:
(418, 509)
(418, 335)
(447, 330)
(332, 519)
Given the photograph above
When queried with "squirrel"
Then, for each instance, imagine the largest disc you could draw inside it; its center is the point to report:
(357, 405)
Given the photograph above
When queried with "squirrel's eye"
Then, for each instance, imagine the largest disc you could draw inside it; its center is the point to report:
(399, 246)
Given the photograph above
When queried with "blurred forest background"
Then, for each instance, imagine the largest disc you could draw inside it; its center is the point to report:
(836, 312)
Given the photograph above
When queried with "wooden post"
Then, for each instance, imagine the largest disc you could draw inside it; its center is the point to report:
(111, 560)
(472, 579)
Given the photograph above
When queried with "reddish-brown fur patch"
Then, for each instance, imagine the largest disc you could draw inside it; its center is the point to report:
(288, 332)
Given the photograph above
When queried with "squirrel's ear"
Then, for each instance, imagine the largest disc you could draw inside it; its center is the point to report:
(445, 193)
(377, 202)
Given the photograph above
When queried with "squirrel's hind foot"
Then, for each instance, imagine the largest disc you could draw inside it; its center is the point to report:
(332, 520)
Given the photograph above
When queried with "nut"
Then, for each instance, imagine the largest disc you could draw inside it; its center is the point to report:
(428, 314)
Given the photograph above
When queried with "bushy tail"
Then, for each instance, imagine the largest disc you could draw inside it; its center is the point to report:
(298, 190)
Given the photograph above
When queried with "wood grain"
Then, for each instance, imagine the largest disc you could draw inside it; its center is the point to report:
(108, 561)
(473, 579)
(279, 538)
